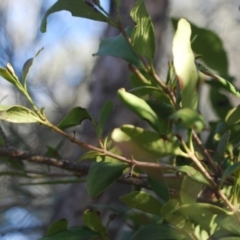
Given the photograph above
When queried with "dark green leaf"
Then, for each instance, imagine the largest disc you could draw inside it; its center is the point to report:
(103, 117)
(158, 232)
(102, 175)
(26, 67)
(222, 144)
(209, 45)
(120, 48)
(18, 114)
(189, 118)
(193, 174)
(142, 144)
(142, 201)
(230, 170)
(92, 220)
(140, 108)
(57, 227)
(160, 188)
(220, 103)
(74, 118)
(233, 116)
(78, 8)
(143, 37)
(74, 233)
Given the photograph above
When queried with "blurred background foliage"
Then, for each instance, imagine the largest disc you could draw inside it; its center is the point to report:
(60, 79)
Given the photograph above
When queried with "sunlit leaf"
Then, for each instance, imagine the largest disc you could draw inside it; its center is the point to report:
(210, 46)
(57, 227)
(143, 37)
(189, 118)
(184, 64)
(78, 8)
(102, 175)
(74, 118)
(18, 114)
(120, 48)
(143, 144)
(142, 201)
(140, 107)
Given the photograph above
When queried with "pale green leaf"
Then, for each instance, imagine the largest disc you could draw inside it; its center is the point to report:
(18, 114)
(184, 64)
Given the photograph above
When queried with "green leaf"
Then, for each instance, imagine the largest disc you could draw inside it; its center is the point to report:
(74, 118)
(184, 64)
(89, 155)
(222, 144)
(190, 190)
(119, 47)
(26, 67)
(157, 232)
(220, 81)
(160, 188)
(103, 117)
(143, 37)
(201, 213)
(140, 108)
(229, 223)
(189, 118)
(210, 46)
(74, 233)
(92, 220)
(142, 144)
(193, 174)
(233, 116)
(57, 227)
(142, 201)
(170, 214)
(230, 170)
(102, 175)
(18, 114)
(78, 8)
(9, 74)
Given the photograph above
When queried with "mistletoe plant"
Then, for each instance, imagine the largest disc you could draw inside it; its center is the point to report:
(189, 188)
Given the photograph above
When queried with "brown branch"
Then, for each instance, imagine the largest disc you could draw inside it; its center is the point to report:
(79, 169)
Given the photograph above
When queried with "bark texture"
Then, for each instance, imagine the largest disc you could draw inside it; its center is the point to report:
(109, 75)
